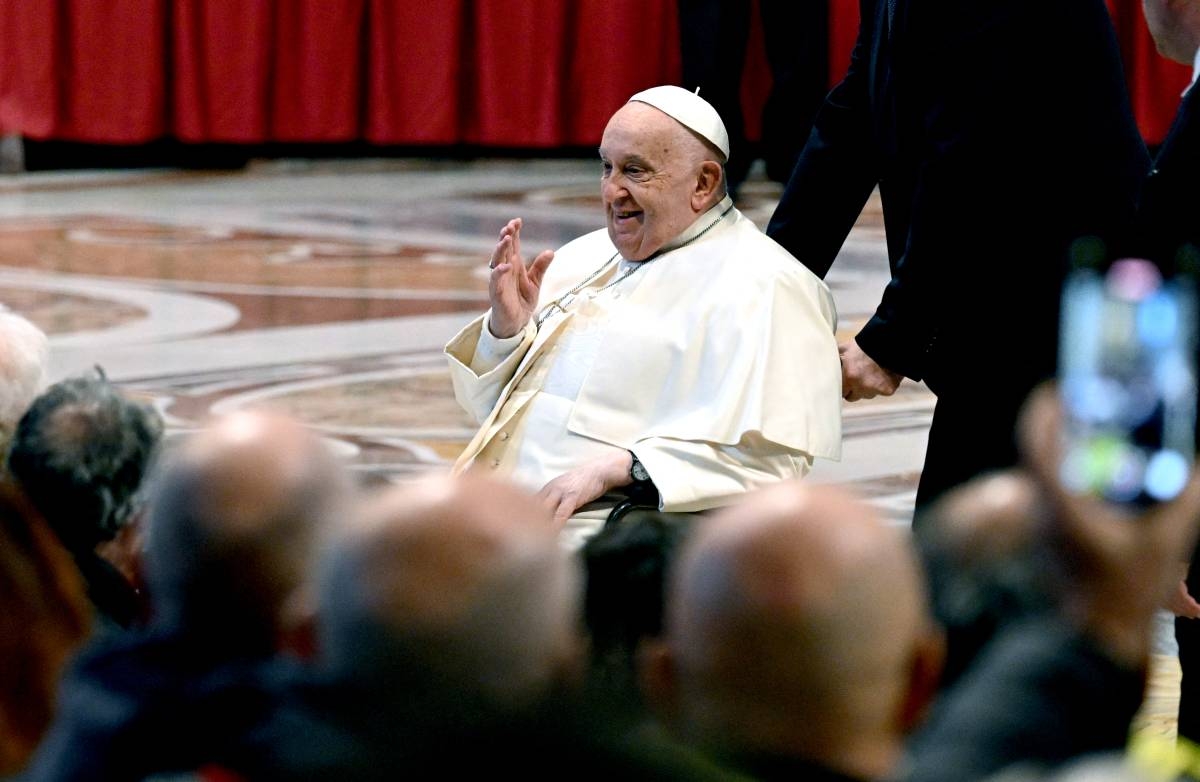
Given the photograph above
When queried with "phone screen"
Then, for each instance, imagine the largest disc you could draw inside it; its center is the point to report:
(1127, 377)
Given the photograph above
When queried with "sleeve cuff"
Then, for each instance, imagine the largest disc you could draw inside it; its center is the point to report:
(895, 350)
(491, 350)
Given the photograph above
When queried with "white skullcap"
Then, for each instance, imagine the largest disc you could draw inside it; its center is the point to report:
(689, 110)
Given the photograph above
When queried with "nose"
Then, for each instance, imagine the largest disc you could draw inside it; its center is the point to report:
(612, 187)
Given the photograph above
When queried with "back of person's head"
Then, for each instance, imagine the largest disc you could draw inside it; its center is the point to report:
(984, 549)
(797, 628)
(626, 568)
(43, 618)
(23, 353)
(80, 453)
(235, 515)
(455, 593)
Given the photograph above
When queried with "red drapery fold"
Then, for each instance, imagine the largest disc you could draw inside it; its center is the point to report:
(537, 74)
(221, 66)
(319, 70)
(412, 86)
(611, 60)
(85, 71)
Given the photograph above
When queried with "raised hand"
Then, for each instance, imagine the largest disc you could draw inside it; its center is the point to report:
(1123, 562)
(513, 288)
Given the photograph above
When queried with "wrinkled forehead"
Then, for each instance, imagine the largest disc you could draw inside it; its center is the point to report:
(642, 130)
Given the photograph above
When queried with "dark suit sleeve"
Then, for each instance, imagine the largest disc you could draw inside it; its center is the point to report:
(1023, 141)
(1170, 205)
(836, 171)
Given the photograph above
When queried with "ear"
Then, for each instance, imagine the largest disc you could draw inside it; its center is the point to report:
(657, 678)
(924, 675)
(709, 180)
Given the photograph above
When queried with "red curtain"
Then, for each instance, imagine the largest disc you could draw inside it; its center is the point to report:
(86, 71)
(537, 74)
(413, 89)
(222, 66)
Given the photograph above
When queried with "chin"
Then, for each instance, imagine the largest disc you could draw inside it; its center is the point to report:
(628, 250)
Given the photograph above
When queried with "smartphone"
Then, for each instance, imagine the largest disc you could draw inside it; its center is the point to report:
(1127, 378)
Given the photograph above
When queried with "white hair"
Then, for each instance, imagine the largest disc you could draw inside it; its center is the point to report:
(23, 358)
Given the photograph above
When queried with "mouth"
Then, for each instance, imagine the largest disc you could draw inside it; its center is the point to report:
(624, 216)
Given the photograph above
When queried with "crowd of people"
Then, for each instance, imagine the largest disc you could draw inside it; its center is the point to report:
(277, 621)
(625, 575)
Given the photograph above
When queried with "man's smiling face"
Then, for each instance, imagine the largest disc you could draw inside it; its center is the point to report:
(648, 181)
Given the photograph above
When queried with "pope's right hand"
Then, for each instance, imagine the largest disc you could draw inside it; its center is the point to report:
(513, 288)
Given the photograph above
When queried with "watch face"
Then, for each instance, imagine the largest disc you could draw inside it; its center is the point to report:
(638, 472)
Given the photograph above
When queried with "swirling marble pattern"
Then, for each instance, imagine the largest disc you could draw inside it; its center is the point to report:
(327, 290)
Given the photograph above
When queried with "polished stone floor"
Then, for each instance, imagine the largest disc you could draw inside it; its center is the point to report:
(327, 289)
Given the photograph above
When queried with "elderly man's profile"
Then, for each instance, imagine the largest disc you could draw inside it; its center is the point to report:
(678, 350)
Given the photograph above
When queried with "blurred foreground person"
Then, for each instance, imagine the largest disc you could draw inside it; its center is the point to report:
(23, 358)
(626, 566)
(448, 636)
(234, 519)
(1066, 672)
(43, 618)
(797, 643)
(80, 453)
(987, 563)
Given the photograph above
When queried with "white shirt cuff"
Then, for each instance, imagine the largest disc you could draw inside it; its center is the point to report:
(1195, 73)
(491, 350)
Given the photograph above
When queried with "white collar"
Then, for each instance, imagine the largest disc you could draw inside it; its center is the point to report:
(699, 226)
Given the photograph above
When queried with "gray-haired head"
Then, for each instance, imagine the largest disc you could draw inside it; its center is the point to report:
(23, 358)
(80, 453)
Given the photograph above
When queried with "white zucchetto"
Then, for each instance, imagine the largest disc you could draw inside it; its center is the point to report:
(689, 110)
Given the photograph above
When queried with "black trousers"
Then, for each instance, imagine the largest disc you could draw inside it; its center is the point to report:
(972, 434)
(713, 45)
(1187, 635)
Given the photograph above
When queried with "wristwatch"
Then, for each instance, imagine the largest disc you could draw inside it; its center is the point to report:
(637, 471)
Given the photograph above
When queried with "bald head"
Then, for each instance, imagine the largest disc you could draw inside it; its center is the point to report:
(793, 622)
(235, 518)
(457, 584)
(985, 545)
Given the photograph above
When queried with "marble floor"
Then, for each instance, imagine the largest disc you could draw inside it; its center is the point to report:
(327, 289)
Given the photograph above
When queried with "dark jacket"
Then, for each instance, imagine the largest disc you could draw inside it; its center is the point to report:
(998, 133)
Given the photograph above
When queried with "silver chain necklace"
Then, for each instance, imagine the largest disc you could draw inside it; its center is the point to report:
(564, 301)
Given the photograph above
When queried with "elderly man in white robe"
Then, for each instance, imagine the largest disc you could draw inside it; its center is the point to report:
(680, 349)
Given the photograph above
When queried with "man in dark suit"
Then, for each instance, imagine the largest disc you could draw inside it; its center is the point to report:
(1170, 213)
(998, 134)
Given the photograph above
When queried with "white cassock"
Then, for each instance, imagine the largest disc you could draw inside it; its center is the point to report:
(715, 362)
